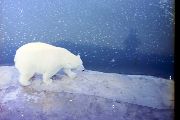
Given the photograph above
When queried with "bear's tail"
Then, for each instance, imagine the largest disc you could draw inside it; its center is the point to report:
(16, 55)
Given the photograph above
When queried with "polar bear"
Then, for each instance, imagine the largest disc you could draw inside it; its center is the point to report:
(37, 57)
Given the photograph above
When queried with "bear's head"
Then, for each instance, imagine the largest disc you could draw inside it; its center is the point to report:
(75, 63)
(79, 65)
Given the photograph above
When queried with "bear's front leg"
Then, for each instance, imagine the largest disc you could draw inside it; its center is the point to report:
(70, 73)
(47, 78)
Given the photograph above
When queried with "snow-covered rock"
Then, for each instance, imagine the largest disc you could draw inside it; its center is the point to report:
(135, 89)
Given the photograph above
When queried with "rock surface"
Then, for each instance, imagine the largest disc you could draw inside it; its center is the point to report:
(91, 96)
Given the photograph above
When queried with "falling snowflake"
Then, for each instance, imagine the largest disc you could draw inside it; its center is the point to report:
(113, 60)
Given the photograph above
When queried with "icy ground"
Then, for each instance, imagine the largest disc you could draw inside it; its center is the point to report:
(91, 96)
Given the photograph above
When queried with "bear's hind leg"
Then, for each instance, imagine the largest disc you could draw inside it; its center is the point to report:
(24, 79)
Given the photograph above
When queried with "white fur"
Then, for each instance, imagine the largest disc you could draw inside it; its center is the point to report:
(45, 59)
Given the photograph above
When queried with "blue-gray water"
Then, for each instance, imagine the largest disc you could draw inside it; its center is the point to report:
(121, 36)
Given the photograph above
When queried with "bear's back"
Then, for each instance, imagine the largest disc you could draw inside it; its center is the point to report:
(35, 46)
(41, 54)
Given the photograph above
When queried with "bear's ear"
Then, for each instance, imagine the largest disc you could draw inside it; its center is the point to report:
(78, 56)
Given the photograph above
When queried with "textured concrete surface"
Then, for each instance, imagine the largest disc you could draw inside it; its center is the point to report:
(40, 102)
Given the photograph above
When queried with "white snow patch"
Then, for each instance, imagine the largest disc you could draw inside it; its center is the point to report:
(10, 96)
(7, 75)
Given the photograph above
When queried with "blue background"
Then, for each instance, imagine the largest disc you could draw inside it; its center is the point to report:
(121, 36)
